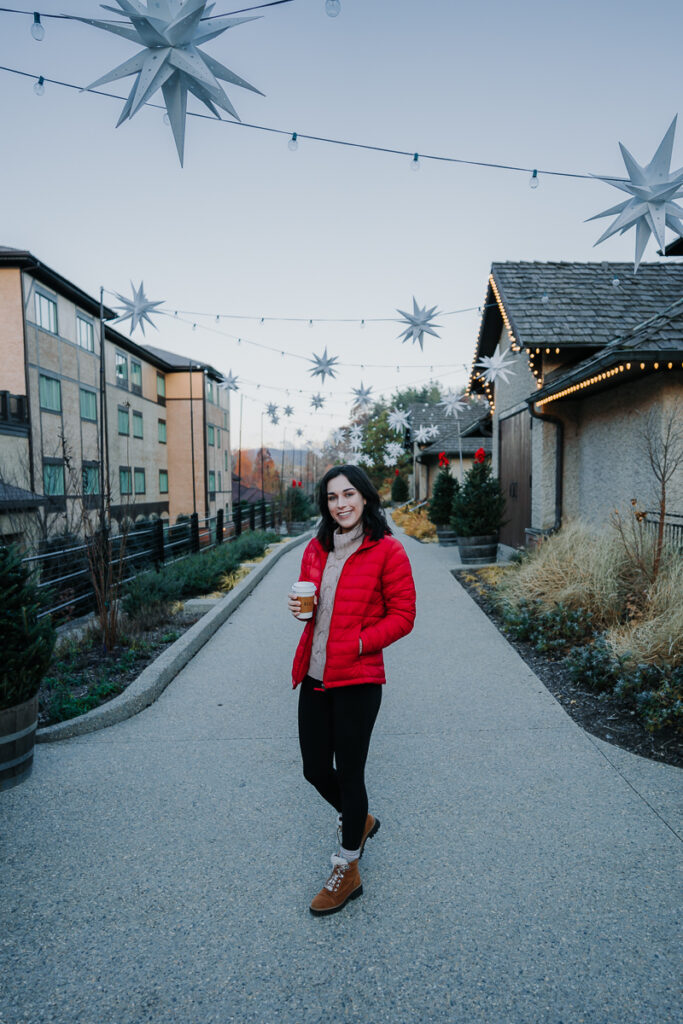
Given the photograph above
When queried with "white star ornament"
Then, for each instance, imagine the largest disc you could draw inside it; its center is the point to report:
(495, 366)
(323, 366)
(653, 189)
(398, 420)
(231, 382)
(137, 309)
(317, 401)
(419, 323)
(422, 434)
(452, 404)
(171, 32)
(362, 397)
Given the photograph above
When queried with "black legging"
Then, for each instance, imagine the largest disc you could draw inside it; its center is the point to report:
(338, 723)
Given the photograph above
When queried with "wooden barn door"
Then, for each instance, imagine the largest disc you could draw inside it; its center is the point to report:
(514, 468)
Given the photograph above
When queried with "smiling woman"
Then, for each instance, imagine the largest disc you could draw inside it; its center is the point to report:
(365, 601)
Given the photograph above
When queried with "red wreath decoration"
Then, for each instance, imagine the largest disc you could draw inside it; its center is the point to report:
(479, 455)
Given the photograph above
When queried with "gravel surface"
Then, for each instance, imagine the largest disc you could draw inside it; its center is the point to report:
(160, 870)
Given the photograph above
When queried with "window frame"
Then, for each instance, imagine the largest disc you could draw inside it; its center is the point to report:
(210, 435)
(137, 471)
(161, 423)
(163, 473)
(135, 387)
(91, 394)
(52, 300)
(120, 360)
(53, 380)
(126, 411)
(161, 388)
(87, 322)
(123, 470)
(138, 418)
(92, 467)
(54, 464)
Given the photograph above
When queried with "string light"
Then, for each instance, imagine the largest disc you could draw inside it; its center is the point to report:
(332, 8)
(596, 379)
(415, 162)
(37, 30)
(533, 180)
(293, 143)
(39, 87)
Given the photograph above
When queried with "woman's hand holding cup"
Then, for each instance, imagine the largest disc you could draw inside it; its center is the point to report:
(302, 599)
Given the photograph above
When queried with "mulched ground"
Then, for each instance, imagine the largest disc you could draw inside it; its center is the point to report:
(601, 715)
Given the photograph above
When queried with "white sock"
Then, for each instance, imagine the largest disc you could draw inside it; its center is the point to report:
(349, 855)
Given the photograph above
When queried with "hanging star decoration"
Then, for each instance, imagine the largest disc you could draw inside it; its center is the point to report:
(299, 432)
(288, 411)
(433, 431)
(137, 309)
(338, 437)
(271, 412)
(392, 453)
(231, 382)
(317, 401)
(355, 437)
(496, 366)
(452, 404)
(323, 366)
(353, 459)
(653, 189)
(365, 460)
(419, 323)
(171, 32)
(423, 434)
(362, 397)
(399, 420)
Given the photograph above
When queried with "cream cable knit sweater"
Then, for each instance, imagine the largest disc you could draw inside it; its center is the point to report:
(344, 545)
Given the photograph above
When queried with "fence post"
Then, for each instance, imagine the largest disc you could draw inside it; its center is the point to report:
(263, 514)
(158, 542)
(237, 516)
(194, 532)
(252, 517)
(219, 526)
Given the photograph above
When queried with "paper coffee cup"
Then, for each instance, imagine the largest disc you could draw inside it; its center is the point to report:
(305, 591)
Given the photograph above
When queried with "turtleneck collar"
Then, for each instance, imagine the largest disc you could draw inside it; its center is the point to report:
(344, 540)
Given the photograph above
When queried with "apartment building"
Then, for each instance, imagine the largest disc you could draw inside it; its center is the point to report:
(155, 425)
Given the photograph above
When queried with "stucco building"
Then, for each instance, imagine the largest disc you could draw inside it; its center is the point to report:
(592, 349)
(151, 423)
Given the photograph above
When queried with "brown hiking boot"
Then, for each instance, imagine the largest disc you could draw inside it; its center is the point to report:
(344, 884)
(371, 828)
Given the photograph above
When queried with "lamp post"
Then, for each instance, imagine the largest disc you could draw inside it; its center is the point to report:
(194, 495)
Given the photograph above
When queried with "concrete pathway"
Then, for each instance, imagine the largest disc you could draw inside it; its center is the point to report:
(161, 869)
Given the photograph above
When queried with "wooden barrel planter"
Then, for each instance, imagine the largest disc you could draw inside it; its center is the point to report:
(17, 738)
(478, 550)
(447, 538)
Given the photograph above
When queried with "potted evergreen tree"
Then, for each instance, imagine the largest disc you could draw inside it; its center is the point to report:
(26, 642)
(441, 505)
(478, 510)
(298, 509)
(399, 489)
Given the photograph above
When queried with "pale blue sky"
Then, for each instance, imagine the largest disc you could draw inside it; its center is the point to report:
(250, 227)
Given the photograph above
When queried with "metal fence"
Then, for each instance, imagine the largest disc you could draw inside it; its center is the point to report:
(65, 573)
(673, 526)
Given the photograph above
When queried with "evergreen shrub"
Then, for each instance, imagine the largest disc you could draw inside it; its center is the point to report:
(441, 502)
(26, 641)
(399, 490)
(479, 505)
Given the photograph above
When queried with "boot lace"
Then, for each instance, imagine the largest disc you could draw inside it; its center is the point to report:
(337, 877)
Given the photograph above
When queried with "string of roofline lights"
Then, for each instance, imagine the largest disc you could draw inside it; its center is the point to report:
(295, 137)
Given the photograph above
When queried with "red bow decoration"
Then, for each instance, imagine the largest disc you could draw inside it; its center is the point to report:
(300, 484)
(397, 471)
(293, 483)
(479, 455)
(443, 460)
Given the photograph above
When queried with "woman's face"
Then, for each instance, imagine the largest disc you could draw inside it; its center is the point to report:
(345, 503)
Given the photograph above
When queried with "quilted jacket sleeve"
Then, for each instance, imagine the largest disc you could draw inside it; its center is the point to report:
(398, 590)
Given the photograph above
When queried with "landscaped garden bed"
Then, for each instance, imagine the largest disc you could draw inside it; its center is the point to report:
(83, 674)
(605, 638)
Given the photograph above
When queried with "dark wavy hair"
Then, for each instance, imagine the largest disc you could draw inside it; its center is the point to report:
(375, 524)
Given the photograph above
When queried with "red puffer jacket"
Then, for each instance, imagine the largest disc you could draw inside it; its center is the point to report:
(374, 600)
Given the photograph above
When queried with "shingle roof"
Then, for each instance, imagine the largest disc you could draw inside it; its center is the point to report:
(662, 333)
(182, 362)
(584, 307)
(476, 410)
(12, 497)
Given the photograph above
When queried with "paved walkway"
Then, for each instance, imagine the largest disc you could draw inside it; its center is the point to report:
(525, 873)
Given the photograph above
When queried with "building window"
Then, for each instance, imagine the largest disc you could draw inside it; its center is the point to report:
(53, 478)
(225, 421)
(163, 481)
(137, 424)
(125, 480)
(121, 371)
(124, 421)
(212, 482)
(50, 394)
(91, 479)
(88, 405)
(162, 431)
(210, 430)
(46, 313)
(220, 480)
(225, 454)
(135, 377)
(161, 389)
(139, 481)
(85, 334)
(218, 437)
(209, 391)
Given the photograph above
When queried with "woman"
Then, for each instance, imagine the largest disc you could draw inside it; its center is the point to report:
(365, 601)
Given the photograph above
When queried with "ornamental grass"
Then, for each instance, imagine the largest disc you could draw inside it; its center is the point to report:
(415, 522)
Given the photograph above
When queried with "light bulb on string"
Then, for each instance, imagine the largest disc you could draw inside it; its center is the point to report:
(332, 8)
(533, 180)
(415, 162)
(616, 282)
(293, 143)
(39, 87)
(310, 323)
(544, 297)
(37, 30)
(362, 323)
